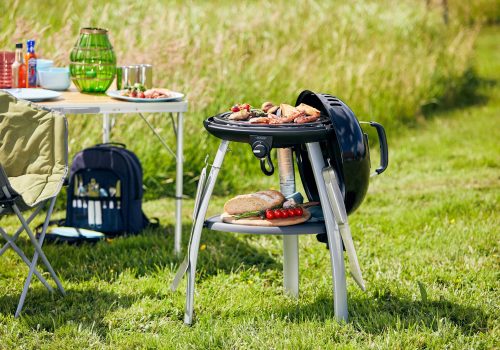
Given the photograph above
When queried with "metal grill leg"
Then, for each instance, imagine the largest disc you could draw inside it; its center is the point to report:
(198, 227)
(290, 243)
(334, 239)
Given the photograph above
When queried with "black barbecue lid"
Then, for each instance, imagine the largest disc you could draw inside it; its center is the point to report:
(346, 150)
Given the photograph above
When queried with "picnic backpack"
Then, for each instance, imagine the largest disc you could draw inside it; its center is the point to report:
(105, 191)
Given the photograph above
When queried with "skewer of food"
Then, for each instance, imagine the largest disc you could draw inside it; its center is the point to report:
(274, 114)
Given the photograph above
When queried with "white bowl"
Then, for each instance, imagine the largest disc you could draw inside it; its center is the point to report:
(55, 78)
(42, 64)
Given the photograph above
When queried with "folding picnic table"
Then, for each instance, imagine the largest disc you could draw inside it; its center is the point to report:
(74, 102)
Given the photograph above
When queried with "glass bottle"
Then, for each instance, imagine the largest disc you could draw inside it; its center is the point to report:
(19, 68)
(31, 65)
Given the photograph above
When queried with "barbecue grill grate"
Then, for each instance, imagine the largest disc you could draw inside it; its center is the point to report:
(223, 119)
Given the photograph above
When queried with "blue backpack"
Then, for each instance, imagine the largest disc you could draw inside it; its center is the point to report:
(105, 191)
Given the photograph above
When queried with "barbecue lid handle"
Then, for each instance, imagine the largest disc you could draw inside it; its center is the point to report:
(269, 162)
(384, 149)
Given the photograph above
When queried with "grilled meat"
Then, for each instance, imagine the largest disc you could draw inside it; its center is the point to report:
(273, 109)
(308, 110)
(260, 120)
(240, 115)
(266, 106)
(306, 119)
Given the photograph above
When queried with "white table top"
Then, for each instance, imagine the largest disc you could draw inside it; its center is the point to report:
(74, 102)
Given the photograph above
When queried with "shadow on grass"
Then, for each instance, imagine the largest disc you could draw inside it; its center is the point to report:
(468, 91)
(377, 315)
(48, 311)
(140, 255)
(150, 252)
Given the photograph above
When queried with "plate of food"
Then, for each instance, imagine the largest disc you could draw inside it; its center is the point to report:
(138, 93)
(264, 208)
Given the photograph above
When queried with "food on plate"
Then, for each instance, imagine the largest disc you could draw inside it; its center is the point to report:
(157, 93)
(266, 205)
(274, 114)
(139, 91)
(254, 202)
(272, 214)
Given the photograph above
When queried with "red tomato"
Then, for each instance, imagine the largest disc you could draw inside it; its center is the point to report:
(141, 95)
(284, 213)
(269, 214)
(133, 93)
(246, 106)
(298, 211)
(235, 108)
(290, 212)
(277, 214)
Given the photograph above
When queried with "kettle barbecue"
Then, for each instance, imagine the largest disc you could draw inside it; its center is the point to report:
(344, 144)
(333, 158)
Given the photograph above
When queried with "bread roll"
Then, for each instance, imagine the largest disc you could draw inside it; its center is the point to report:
(254, 201)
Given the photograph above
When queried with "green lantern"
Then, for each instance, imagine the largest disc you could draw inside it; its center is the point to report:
(93, 62)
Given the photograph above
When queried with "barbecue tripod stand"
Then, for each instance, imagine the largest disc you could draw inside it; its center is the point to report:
(335, 225)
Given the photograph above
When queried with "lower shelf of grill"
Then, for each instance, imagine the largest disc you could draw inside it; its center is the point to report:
(215, 223)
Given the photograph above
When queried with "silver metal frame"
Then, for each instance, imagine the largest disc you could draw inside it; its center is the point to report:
(179, 157)
(336, 249)
(36, 243)
(333, 234)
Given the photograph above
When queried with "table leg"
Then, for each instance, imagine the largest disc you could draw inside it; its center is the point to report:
(179, 184)
(106, 128)
(290, 243)
(333, 233)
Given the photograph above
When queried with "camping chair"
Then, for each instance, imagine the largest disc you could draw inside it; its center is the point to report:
(33, 166)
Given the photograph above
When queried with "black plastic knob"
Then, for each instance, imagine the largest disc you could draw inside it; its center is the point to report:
(260, 150)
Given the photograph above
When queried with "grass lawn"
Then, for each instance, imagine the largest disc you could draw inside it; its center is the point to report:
(427, 238)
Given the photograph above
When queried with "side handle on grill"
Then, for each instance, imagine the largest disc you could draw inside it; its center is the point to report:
(384, 149)
(263, 165)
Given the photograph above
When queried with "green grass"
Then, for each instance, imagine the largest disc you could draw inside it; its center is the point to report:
(388, 59)
(427, 238)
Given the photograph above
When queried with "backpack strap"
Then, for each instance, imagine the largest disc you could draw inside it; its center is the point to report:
(113, 144)
(60, 222)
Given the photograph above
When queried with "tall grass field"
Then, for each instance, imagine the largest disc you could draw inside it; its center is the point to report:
(427, 235)
(388, 60)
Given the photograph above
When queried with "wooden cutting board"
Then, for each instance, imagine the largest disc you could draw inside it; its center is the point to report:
(257, 221)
